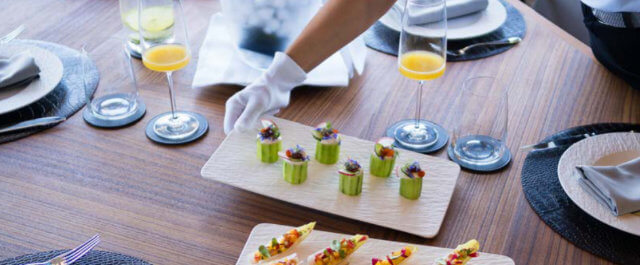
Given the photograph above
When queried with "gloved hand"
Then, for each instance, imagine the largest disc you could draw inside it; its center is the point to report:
(265, 96)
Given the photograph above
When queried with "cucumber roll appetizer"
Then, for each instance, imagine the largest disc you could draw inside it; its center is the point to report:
(383, 158)
(351, 178)
(339, 252)
(411, 180)
(294, 165)
(269, 142)
(328, 146)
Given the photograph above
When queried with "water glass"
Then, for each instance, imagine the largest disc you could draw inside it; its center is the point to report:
(115, 101)
(481, 115)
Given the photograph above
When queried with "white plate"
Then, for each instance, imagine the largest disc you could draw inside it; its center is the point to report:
(460, 28)
(50, 75)
(590, 151)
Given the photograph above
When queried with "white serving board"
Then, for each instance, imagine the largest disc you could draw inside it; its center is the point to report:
(587, 152)
(235, 163)
(373, 248)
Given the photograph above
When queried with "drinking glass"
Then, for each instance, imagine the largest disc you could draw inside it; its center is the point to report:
(481, 114)
(165, 48)
(115, 101)
(422, 57)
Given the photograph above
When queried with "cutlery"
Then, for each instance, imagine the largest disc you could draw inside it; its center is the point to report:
(33, 123)
(72, 255)
(556, 143)
(507, 41)
(12, 35)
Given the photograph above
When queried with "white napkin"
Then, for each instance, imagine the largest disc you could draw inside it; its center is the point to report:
(220, 63)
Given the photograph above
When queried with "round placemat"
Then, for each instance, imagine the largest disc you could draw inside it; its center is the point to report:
(381, 38)
(542, 189)
(67, 98)
(92, 258)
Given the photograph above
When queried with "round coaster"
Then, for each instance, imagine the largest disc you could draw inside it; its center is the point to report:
(103, 123)
(542, 189)
(91, 258)
(202, 129)
(506, 158)
(443, 137)
(133, 52)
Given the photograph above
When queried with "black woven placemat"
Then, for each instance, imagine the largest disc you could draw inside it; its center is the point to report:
(94, 257)
(542, 189)
(381, 38)
(67, 98)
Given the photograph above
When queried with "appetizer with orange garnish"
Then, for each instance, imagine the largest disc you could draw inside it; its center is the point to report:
(397, 257)
(462, 254)
(383, 158)
(351, 178)
(269, 142)
(328, 145)
(277, 247)
(339, 252)
(294, 165)
(411, 180)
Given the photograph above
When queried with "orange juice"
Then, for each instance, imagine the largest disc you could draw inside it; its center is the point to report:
(421, 65)
(166, 57)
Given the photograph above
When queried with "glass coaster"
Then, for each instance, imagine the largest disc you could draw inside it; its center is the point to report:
(441, 141)
(97, 121)
(202, 129)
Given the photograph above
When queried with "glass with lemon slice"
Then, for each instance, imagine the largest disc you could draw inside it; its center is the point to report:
(157, 23)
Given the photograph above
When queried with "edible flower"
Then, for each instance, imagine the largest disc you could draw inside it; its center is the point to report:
(413, 170)
(352, 165)
(297, 153)
(270, 132)
(325, 132)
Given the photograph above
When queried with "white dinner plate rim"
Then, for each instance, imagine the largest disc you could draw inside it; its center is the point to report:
(580, 197)
(50, 76)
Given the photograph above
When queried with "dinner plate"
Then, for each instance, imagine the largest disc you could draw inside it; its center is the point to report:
(604, 149)
(460, 28)
(51, 70)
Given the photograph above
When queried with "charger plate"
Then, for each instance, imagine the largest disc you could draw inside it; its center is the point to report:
(373, 248)
(588, 152)
(235, 163)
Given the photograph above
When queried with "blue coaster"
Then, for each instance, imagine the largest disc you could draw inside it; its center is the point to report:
(104, 123)
(443, 137)
(202, 130)
(504, 161)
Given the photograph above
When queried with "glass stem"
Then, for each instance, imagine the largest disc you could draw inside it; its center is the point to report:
(419, 104)
(171, 95)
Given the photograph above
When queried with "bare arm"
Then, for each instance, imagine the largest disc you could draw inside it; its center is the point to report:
(336, 24)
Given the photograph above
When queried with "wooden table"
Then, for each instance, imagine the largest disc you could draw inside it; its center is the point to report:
(63, 185)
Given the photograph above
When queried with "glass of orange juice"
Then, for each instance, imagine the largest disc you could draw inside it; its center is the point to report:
(421, 56)
(168, 53)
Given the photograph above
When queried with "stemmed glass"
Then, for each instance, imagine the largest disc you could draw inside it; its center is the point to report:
(166, 49)
(422, 56)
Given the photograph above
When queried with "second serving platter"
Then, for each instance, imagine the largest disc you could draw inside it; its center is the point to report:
(235, 163)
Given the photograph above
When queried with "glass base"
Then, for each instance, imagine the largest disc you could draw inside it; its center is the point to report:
(479, 152)
(416, 135)
(179, 127)
(440, 135)
(134, 50)
(114, 107)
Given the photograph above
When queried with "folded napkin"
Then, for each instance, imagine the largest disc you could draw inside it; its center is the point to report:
(18, 68)
(617, 187)
(455, 8)
(220, 63)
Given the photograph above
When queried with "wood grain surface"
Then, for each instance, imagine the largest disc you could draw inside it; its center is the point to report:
(235, 163)
(65, 184)
(588, 152)
(373, 248)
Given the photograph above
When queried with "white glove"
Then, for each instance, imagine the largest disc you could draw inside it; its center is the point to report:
(265, 96)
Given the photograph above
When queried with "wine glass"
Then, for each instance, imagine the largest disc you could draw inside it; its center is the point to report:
(165, 48)
(422, 56)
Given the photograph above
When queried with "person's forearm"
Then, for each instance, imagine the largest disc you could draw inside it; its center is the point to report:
(336, 24)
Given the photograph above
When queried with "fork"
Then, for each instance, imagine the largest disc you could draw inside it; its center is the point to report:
(507, 41)
(72, 255)
(12, 35)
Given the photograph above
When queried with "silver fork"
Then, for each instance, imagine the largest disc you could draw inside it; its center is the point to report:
(507, 41)
(72, 255)
(12, 35)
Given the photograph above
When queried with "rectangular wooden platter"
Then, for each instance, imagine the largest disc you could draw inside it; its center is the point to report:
(235, 163)
(373, 248)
